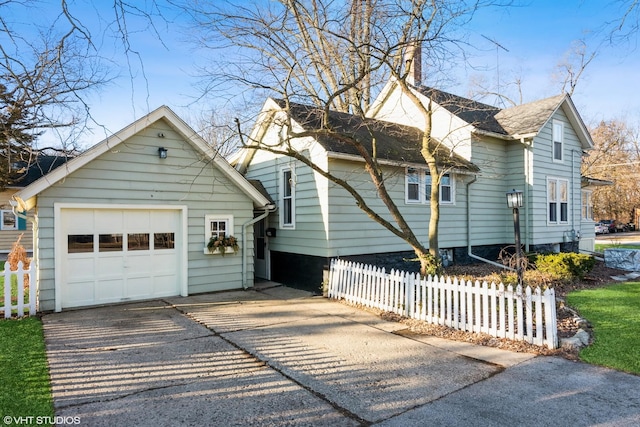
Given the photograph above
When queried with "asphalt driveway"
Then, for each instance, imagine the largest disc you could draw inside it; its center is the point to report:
(283, 357)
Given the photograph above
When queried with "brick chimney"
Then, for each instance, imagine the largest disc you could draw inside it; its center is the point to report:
(413, 62)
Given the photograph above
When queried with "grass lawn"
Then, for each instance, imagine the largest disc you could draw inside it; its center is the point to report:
(614, 312)
(24, 374)
(600, 247)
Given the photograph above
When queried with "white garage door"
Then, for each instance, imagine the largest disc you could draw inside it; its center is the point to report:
(110, 255)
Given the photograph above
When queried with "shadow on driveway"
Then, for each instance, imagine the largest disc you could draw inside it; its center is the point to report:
(274, 357)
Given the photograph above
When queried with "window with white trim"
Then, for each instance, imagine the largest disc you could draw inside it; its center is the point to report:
(8, 220)
(287, 198)
(418, 187)
(587, 206)
(558, 140)
(218, 226)
(557, 200)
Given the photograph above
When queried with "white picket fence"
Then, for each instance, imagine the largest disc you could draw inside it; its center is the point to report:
(528, 315)
(23, 286)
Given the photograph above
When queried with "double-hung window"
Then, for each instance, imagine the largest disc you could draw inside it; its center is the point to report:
(418, 187)
(287, 198)
(587, 206)
(558, 140)
(557, 200)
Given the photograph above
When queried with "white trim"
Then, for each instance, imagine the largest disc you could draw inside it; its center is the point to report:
(281, 185)
(15, 220)
(424, 198)
(207, 229)
(58, 237)
(113, 141)
(559, 123)
(558, 201)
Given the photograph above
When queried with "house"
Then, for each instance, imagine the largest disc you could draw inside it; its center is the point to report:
(13, 227)
(130, 218)
(485, 152)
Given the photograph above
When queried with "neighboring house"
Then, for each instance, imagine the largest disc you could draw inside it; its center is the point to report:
(23, 174)
(130, 218)
(536, 148)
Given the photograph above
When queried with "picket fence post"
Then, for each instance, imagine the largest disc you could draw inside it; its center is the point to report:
(20, 274)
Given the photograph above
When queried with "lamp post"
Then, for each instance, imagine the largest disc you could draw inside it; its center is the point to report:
(514, 201)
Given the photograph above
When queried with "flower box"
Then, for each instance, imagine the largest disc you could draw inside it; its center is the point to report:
(216, 251)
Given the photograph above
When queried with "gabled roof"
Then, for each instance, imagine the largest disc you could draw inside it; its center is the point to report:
(393, 142)
(177, 124)
(524, 120)
(27, 172)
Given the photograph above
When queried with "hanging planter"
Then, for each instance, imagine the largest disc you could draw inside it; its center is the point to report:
(223, 245)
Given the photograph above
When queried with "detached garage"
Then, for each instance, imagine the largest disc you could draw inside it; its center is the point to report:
(130, 218)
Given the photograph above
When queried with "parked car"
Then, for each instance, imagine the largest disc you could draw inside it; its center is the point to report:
(610, 224)
(602, 228)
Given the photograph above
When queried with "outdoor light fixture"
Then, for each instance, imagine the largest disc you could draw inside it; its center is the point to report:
(514, 201)
(162, 152)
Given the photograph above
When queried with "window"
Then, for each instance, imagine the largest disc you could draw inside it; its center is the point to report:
(413, 185)
(79, 243)
(587, 206)
(9, 221)
(558, 140)
(138, 242)
(418, 187)
(217, 225)
(558, 200)
(164, 241)
(287, 199)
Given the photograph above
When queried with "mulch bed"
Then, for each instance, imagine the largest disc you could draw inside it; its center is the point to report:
(600, 276)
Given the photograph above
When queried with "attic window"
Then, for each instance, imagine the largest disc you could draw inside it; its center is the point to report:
(558, 140)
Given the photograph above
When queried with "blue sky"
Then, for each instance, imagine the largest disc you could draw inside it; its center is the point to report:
(537, 34)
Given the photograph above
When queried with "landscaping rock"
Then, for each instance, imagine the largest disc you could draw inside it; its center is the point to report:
(622, 259)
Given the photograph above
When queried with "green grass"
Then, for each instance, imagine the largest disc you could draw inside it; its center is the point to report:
(600, 247)
(24, 374)
(614, 312)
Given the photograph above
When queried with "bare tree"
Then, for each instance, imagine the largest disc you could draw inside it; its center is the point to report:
(615, 158)
(335, 56)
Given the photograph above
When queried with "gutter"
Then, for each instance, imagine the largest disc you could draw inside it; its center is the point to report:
(471, 255)
(267, 210)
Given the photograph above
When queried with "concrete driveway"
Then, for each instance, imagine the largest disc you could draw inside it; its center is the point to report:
(283, 357)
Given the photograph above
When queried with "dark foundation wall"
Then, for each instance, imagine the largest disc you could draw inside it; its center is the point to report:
(309, 272)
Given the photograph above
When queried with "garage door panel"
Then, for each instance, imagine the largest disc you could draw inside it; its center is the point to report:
(135, 255)
(77, 294)
(164, 285)
(140, 287)
(109, 290)
(138, 220)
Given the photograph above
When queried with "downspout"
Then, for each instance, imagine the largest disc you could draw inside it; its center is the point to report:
(527, 173)
(267, 210)
(475, 178)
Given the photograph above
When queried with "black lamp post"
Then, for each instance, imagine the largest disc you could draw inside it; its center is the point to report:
(514, 201)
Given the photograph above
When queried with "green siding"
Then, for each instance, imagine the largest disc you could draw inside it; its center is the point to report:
(133, 174)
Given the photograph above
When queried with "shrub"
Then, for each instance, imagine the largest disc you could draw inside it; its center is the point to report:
(565, 266)
(18, 253)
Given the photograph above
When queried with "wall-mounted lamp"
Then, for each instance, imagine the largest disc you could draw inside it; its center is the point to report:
(162, 152)
(160, 135)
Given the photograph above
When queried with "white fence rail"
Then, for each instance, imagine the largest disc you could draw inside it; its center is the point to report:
(528, 315)
(22, 280)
